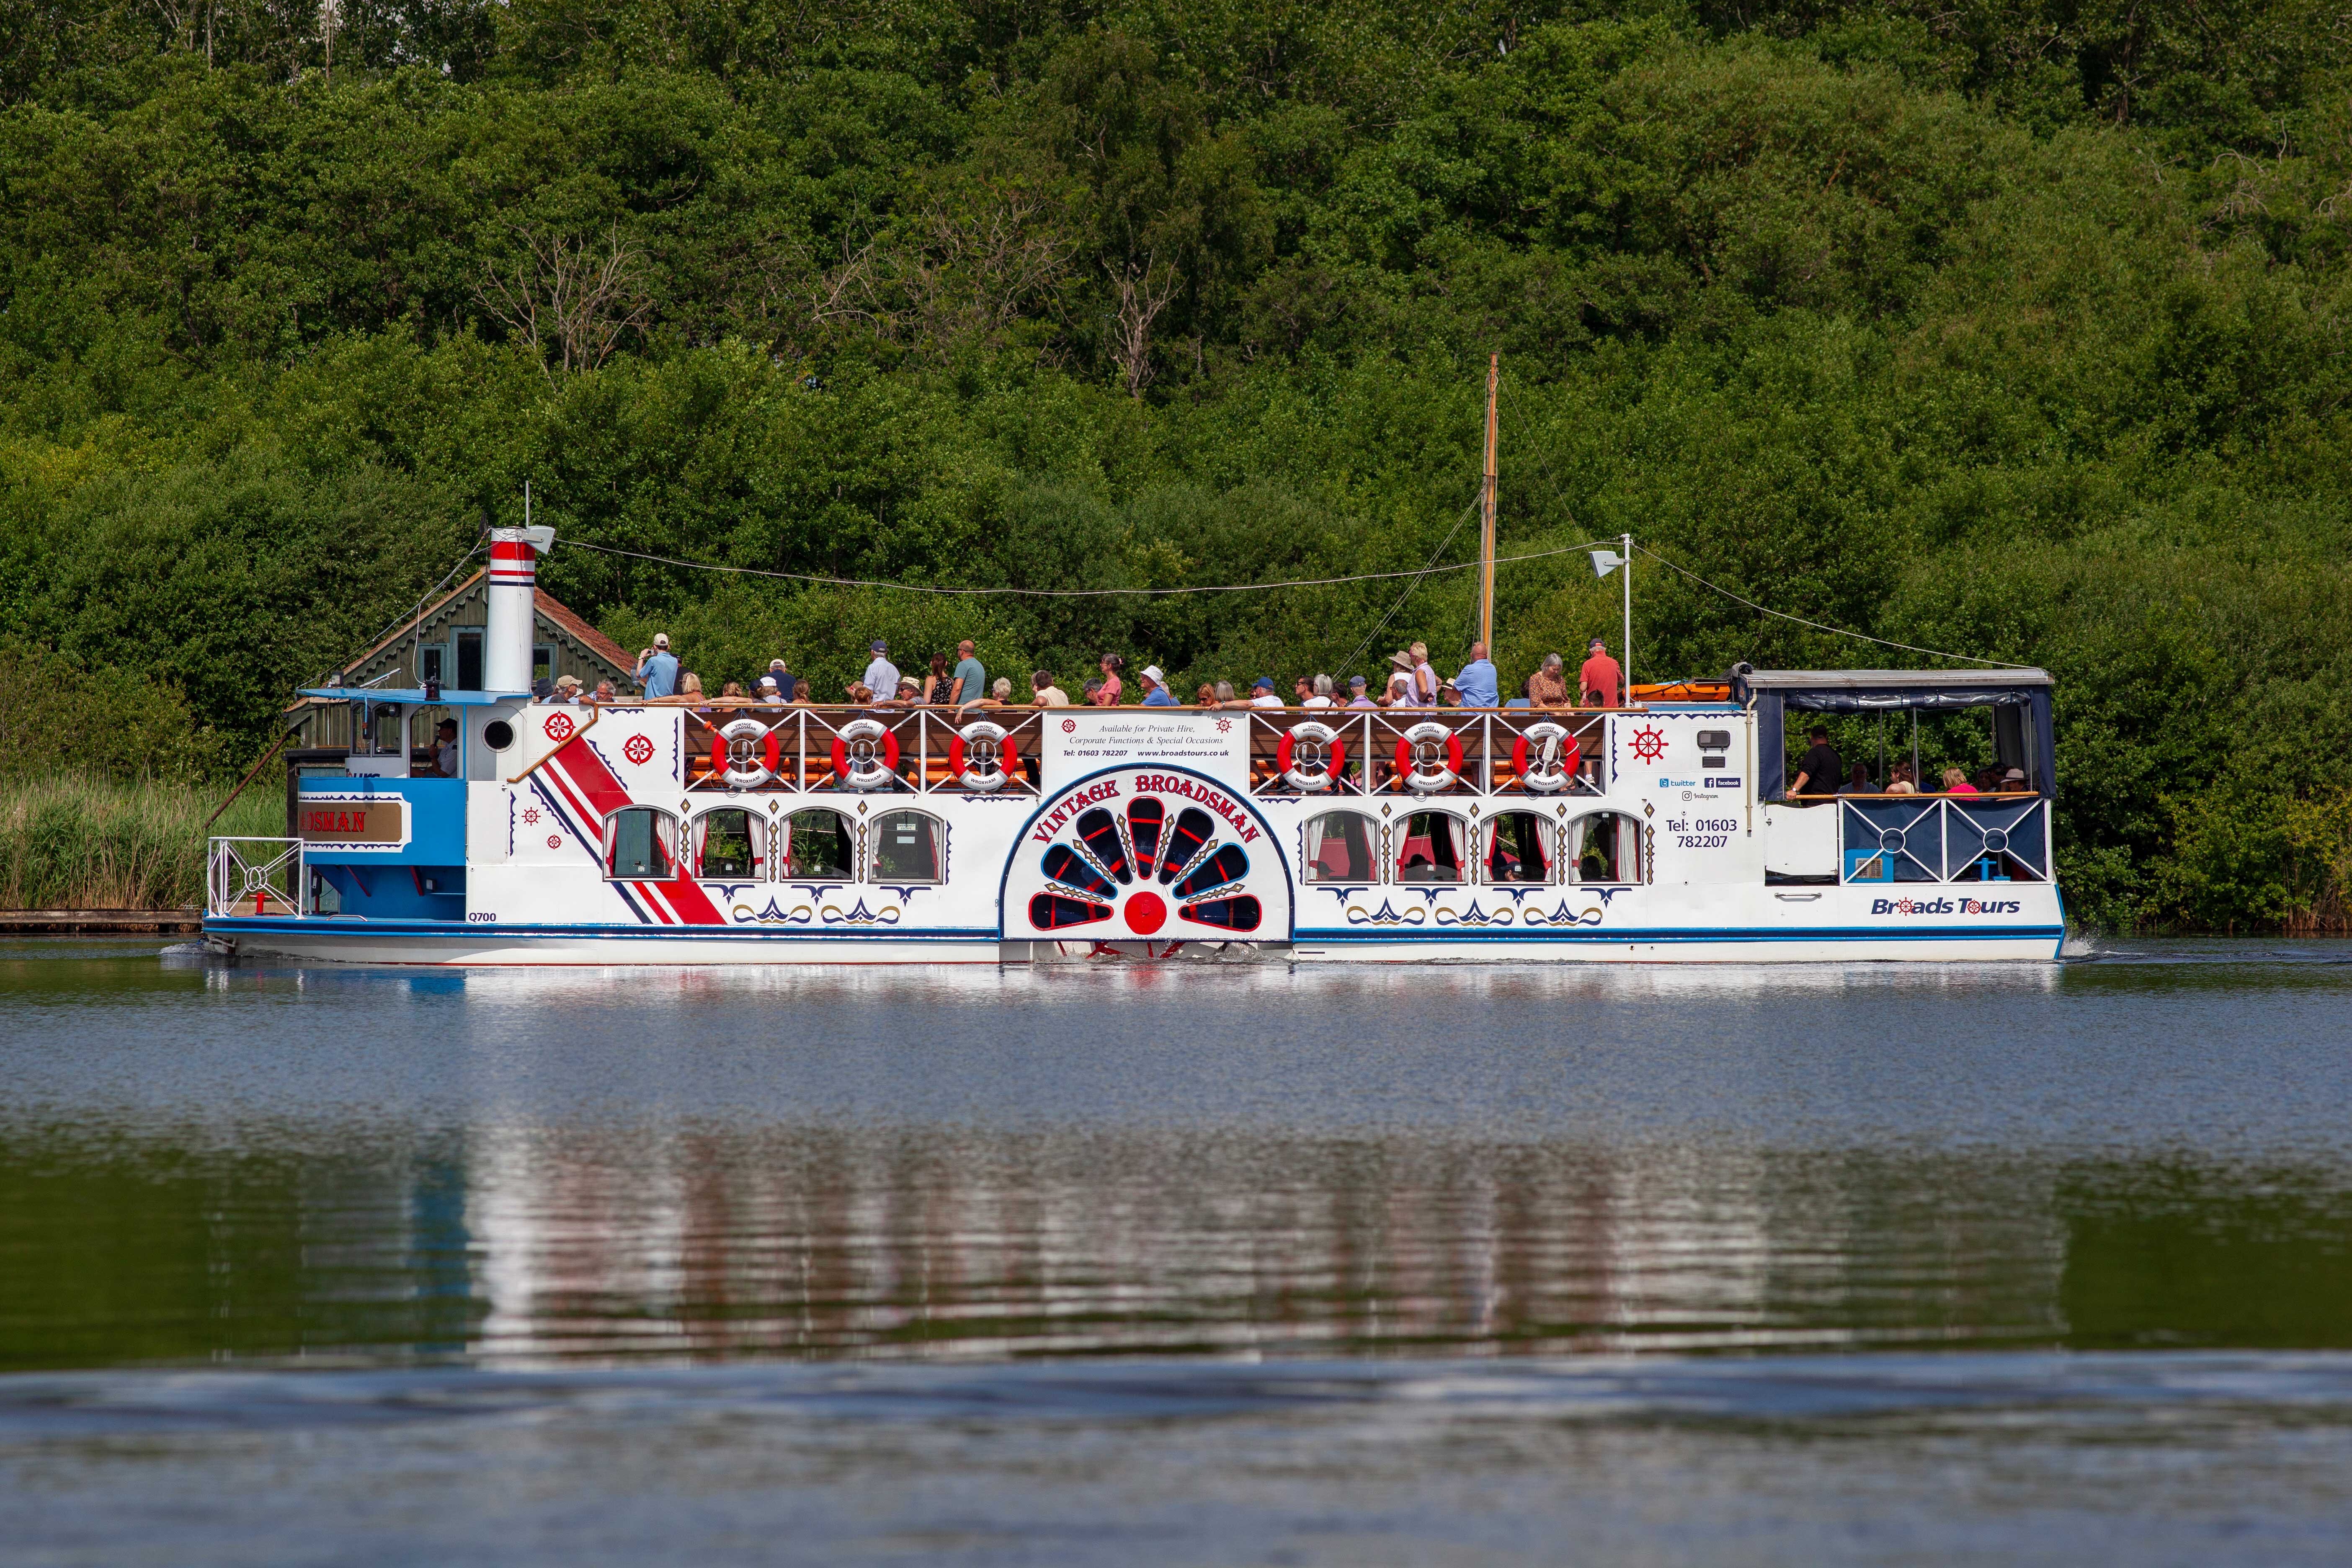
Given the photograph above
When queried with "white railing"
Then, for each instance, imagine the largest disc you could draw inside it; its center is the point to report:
(255, 877)
(1944, 838)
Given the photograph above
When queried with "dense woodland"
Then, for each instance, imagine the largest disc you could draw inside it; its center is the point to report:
(2014, 331)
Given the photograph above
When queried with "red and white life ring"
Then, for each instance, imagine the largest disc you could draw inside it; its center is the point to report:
(1424, 775)
(866, 754)
(751, 764)
(1546, 757)
(974, 771)
(1300, 772)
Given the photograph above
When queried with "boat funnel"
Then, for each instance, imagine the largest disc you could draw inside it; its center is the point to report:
(513, 624)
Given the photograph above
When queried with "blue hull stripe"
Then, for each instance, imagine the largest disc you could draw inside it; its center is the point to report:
(232, 925)
(1685, 933)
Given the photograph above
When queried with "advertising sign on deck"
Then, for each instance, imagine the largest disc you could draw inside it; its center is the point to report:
(354, 821)
(1080, 741)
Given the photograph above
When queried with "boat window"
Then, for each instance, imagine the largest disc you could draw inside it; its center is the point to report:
(1518, 847)
(387, 736)
(818, 846)
(641, 842)
(1605, 846)
(1430, 847)
(727, 843)
(908, 847)
(1339, 848)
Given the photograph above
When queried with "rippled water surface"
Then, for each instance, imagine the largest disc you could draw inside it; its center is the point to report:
(1178, 1264)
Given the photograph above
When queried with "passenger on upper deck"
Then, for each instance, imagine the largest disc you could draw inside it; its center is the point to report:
(1901, 783)
(1600, 677)
(1044, 693)
(881, 674)
(1525, 698)
(1263, 695)
(1956, 783)
(1155, 688)
(770, 691)
(803, 694)
(1106, 693)
(732, 688)
(1319, 694)
(910, 693)
(1357, 686)
(1204, 696)
(656, 670)
(783, 676)
(567, 689)
(1477, 682)
(939, 683)
(1548, 687)
(689, 685)
(1858, 781)
(1820, 770)
(1425, 677)
(971, 680)
(604, 692)
(2013, 781)
(1399, 692)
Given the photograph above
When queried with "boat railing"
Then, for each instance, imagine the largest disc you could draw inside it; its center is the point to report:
(1944, 838)
(1379, 748)
(255, 877)
(923, 750)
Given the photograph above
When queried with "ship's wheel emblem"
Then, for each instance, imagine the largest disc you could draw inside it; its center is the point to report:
(1224, 726)
(639, 749)
(1069, 726)
(559, 726)
(530, 816)
(555, 841)
(1648, 744)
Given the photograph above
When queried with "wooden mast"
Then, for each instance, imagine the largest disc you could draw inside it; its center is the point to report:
(1487, 516)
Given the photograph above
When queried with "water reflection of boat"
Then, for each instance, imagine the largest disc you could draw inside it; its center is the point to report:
(715, 832)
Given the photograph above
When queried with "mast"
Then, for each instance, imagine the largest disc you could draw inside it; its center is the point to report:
(1487, 516)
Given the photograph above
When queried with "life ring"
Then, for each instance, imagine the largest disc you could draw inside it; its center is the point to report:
(1409, 763)
(748, 773)
(1555, 753)
(866, 769)
(1335, 756)
(979, 778)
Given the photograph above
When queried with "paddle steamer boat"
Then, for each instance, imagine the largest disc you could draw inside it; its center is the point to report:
(701, 832)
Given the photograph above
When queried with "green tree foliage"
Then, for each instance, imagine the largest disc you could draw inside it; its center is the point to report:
(2016, 331)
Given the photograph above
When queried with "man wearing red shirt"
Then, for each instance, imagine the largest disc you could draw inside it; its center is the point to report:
(1600, 678)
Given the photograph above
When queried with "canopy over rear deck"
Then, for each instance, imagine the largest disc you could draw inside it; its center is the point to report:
(2022, 732)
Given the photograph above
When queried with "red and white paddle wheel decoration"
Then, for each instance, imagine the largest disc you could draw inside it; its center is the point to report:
(1150, 855)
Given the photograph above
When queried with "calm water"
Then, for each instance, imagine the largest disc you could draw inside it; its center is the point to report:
(1210, 1264)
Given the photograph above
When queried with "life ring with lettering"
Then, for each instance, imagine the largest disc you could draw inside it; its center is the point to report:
(1424, 775)
(1546, 757)
(974, 771)
(866, 754)
(749, 765)
(1300, 772)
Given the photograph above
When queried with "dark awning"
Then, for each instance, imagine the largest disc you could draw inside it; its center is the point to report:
(1892, 691)
(2023, 740)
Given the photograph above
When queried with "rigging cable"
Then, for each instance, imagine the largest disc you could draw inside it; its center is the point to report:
(1818, 627)
(1059, 593)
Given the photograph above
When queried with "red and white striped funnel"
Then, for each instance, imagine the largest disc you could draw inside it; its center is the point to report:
(514, 578)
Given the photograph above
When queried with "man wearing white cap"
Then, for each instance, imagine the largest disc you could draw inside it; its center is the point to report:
(1155, 688)
(656, 668)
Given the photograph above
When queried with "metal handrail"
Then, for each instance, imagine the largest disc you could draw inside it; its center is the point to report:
(231, 877)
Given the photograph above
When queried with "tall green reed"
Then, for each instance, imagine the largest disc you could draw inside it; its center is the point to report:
(89, 844)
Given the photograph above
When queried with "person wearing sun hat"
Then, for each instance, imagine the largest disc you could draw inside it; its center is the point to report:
(1155, 688)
